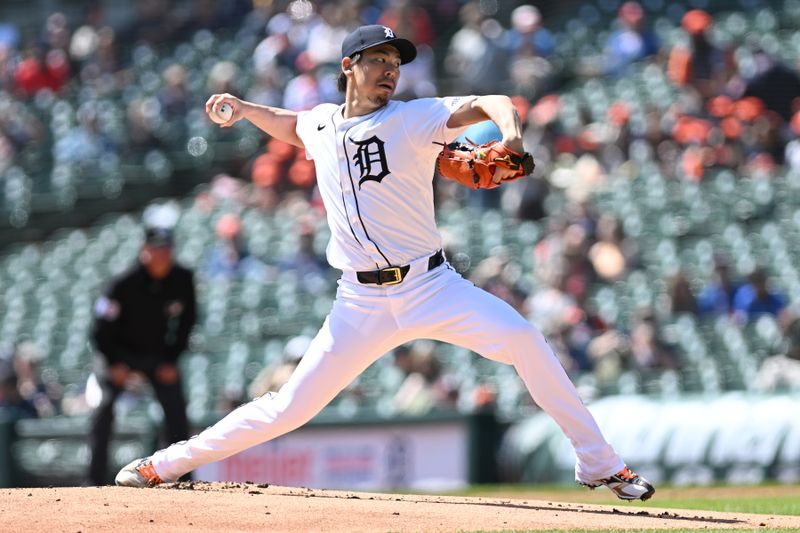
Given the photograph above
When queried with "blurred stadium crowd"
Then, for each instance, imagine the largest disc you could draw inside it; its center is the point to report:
(655, 246)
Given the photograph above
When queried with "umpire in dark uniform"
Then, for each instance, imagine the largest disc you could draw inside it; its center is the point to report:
(142, 324)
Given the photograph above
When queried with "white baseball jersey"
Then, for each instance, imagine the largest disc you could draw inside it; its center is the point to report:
(374, 173)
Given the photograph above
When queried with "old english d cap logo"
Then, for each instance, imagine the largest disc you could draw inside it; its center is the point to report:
(373, 35)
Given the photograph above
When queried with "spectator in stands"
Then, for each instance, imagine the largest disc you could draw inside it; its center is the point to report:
(418, 78)
(681, 297)
(577, 272)
(273, 377)
(701, 65)
(43, 397)
(768, 145)
(94, 55)
(173, 95)
(9, 40)
(548, 306)
(266, 88)
(41, 69)
(85, 146)
(773, 83)
(540, 137)
(229, 258)
(608, 354)
(716, 298)
(530, 46)
(56, 34)
(422, 389)
(227, 191)
(308, 88)
(305, 262)
(475, 58)
(498, 274)
(142, 126)
(527, 33)
(613, 254)
(559, 339)
(756, 298)
(579, 329)
(534, 193)
(302, 174)
(648, 349)
(202, 15)
(266, 174)
(325, 37)
(20, 132)
(85, 39)
(630, 42)
(223, 76)
(142, 325)
(273, 55)
(11, 403)
(9, 35)
(407, 17)
(782, 371)
(402, 360)
(291, 28)
(155, 23)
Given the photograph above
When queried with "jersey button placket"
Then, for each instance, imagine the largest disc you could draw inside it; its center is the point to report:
(347, 190)
(349, 197)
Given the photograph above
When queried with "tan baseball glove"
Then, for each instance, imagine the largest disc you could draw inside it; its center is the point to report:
(474, 165)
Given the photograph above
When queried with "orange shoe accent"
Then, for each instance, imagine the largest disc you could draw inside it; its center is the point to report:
(147, 471)
(626, 473)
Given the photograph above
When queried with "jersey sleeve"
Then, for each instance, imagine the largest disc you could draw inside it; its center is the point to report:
(312, 123)
(304, 120)
(426, 119)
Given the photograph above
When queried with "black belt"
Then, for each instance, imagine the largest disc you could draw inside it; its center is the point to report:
(395, 275)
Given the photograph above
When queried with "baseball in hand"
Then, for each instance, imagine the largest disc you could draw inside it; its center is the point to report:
(221, 113)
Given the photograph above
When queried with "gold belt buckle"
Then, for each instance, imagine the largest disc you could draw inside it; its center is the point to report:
(398, 276)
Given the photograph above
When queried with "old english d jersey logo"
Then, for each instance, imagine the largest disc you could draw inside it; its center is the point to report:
(370, 159)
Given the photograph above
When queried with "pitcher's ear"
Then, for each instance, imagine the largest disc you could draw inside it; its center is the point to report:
(348, 62)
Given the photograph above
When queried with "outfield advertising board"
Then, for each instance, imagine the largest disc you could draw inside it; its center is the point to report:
(424, 456)
(735, 437)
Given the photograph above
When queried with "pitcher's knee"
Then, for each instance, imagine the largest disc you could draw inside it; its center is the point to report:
(290, 410)
(520, 331)
(520, 339)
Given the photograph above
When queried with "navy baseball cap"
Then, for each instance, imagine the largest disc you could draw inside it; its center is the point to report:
(373, 35)
(158, 237)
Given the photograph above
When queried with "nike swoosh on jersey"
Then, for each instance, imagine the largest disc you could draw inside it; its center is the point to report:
(321, 126)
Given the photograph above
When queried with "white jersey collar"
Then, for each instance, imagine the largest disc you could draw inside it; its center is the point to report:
(341, 121)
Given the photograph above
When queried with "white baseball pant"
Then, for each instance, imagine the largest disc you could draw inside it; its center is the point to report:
(367, 321)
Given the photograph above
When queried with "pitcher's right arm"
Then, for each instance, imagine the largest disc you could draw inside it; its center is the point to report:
(274, 121)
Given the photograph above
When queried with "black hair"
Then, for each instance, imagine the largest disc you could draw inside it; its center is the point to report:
(341, 81)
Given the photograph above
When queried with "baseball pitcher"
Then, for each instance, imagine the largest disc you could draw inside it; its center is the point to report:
(374, 159)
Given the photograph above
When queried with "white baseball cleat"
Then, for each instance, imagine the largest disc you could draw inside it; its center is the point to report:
(626, 484)
(138, 473)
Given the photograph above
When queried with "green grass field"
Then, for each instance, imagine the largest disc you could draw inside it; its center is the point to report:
(766, 499)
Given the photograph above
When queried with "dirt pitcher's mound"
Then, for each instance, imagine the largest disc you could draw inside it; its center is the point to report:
(224, 507)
